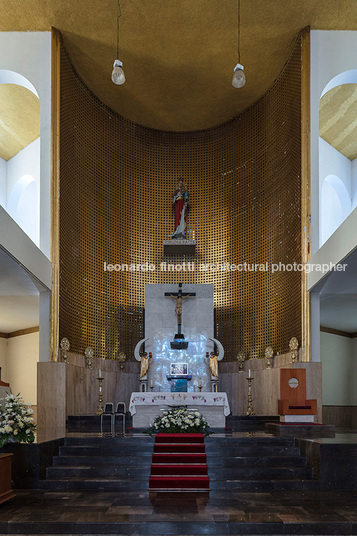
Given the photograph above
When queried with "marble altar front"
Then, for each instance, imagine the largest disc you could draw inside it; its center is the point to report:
(144, 407)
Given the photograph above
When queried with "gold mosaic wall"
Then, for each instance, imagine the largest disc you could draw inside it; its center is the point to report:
(116, 183)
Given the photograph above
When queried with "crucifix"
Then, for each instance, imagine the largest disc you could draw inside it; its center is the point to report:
(179, 296)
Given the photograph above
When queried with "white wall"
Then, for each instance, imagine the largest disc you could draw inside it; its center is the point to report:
(29, 54)
(22, 358)
(3, 182)
(339, 370)
(332, 53)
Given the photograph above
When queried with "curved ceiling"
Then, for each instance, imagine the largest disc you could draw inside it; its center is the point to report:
(179, 56)
(338, 119)
(19, 119)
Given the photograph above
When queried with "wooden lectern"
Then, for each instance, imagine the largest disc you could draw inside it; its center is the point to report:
(293, 394)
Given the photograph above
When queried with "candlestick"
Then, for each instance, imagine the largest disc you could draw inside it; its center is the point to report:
(250, 410)
(100, 408)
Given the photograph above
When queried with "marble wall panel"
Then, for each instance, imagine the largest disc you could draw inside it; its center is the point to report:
(51, 396)
(161, 327)
(266, 384)
(72, 388)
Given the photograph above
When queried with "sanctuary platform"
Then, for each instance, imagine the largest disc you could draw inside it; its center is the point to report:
(259, 484)
(144, 407)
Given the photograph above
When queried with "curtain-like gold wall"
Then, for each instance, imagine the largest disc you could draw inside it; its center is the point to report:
(116, 182)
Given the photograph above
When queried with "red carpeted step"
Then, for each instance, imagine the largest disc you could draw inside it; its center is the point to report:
(179, 447)
(179, 463)
(179, 482)
(179, 438)
(179, 458)
(181, 469)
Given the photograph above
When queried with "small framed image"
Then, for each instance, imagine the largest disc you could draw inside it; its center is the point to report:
(178, 369)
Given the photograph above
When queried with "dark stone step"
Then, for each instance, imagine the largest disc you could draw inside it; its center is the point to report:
(262, 450)
(103, 471)
(99, 484)
(244, 423)
(93, 425)
(105, 450)
(259, 473)
(252, 441)
(137, 442)
(257, 461)
(125, 461)
(264, 485)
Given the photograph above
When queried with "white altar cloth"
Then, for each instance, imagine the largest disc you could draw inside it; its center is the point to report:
(144, 407)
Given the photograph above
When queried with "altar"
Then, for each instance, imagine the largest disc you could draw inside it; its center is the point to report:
(144, 407)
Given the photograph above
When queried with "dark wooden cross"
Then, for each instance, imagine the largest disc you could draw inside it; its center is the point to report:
(179, 296)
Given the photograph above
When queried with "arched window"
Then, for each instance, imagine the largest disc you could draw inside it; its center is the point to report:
(337, 150)
(23, 206)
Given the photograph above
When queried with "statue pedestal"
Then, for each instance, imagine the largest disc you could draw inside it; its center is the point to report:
(179, 383)
(179, 247)
(144, 385)
(214, 385)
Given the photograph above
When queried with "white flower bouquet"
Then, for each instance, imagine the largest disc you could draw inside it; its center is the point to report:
(180, 420)
(16, 421)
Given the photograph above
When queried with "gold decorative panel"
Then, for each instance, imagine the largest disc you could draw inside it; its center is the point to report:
(116, 183)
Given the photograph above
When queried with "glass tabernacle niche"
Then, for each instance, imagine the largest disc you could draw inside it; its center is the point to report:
(178, 369)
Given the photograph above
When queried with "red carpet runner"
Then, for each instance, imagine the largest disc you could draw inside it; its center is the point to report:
(179, 463)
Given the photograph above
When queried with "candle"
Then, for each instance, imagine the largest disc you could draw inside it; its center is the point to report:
(199, 382)
(249, 374)
(151, 384)
(100, 373)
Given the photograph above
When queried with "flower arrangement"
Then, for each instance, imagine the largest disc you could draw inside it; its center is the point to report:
(180, 420)
(16, 421)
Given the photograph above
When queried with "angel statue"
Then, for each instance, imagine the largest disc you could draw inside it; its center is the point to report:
(213, 364)
(144, 367)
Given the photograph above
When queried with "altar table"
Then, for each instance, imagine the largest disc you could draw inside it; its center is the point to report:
(144, 407)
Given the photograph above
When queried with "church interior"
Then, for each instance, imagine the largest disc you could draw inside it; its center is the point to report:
(178, 193)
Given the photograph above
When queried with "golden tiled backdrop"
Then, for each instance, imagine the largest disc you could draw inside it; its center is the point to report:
(116, 183)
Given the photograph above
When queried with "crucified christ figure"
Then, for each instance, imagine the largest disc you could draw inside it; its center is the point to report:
(178, 307)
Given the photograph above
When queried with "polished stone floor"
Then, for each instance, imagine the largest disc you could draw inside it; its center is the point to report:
(92, 512)
(218, 513)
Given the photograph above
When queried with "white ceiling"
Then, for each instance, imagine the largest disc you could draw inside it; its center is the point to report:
(19, 296)
(338, 298)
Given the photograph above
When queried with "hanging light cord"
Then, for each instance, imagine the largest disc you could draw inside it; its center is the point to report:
(238, 31)
(118, 17)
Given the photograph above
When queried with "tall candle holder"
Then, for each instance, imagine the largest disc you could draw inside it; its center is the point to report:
(100, 408)
(250, 410)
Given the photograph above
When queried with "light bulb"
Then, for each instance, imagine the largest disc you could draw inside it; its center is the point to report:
(238, 79)
(118, 76)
